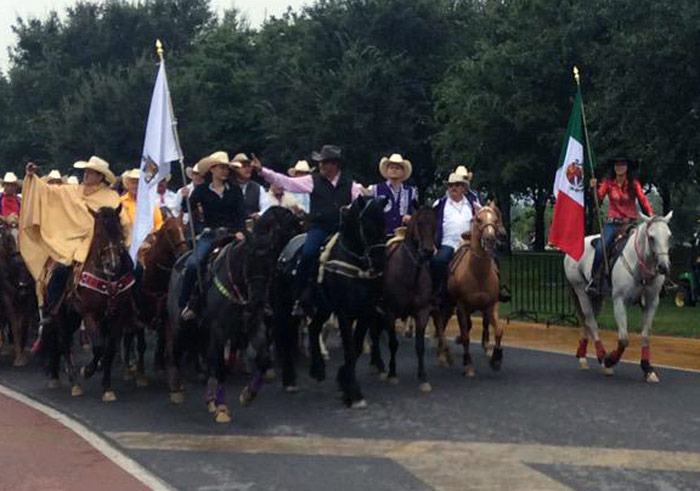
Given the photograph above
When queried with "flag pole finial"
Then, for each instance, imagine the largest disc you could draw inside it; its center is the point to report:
(577, 75)
(159, 49)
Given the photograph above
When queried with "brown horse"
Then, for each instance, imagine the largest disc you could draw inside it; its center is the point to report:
(473, 284)
(157, 258)
(17, 297)
(407, 291)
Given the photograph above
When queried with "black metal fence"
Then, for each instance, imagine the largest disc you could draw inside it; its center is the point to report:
(540, 291)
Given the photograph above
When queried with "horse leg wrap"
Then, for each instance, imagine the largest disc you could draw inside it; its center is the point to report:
(599, 351)
(614, 357)
(257, 383)
(582, 348)
(221, 395)
(646, 360)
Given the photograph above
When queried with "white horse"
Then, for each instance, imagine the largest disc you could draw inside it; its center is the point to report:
(637, 276)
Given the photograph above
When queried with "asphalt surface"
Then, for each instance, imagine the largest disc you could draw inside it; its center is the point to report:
(539, 423)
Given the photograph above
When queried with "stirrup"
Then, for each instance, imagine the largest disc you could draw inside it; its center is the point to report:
(593, 287)
(504, 294)
(298, 309)
(188, 314)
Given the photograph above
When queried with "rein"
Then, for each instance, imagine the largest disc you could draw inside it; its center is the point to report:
(648, 271)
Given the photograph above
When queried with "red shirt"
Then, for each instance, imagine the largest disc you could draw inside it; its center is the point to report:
(9, 205)
(621, 204)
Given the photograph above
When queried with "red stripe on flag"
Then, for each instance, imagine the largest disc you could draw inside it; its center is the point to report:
(567, 230)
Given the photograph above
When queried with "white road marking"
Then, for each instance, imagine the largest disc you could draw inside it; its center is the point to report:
(96, 441)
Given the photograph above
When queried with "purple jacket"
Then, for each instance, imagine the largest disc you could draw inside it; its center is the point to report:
(397, 206)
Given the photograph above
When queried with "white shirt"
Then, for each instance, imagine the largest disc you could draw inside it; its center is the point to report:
(170, 200)
(456, 220)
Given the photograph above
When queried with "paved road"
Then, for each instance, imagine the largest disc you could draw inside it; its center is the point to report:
(540, 423)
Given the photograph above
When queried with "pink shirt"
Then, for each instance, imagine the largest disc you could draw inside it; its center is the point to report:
(303, 184)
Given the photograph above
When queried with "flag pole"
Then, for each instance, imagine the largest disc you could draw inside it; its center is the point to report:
(159, 51)
(577, 77)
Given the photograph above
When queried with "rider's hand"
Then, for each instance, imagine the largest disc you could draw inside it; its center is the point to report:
(185, 191)
(406, 219)
(239, 236)
(593, 183)
(31, 168)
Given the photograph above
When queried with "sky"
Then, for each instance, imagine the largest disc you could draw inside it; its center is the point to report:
(10, 9)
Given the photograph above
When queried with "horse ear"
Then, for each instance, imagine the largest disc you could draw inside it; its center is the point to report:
(643, 217)
(668, 216)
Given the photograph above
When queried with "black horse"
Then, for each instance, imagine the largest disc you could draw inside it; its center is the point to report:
(350, 285)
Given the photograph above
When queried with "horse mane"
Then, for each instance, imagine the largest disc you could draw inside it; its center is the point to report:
(108, 227)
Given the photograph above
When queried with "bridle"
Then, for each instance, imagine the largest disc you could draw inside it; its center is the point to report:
(647, 270)
(367, 247)
(486, 225)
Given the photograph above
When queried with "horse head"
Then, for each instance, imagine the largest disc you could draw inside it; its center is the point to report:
(173, 233)
(421, 232)
(15, 269)
(658, 236)
(260, 262)
(487, 228)
(281, 223)
(372, 231)
(108, 241)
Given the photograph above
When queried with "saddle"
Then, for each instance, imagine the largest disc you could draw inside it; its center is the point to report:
(621, 235)
(289, 257)
(393, 243)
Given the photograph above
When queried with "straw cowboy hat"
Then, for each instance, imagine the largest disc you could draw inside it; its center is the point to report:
(72, 180)
(191, 171)
(395, 159)
(54, 175)
(456, 179)
(301, 167)
(98, 165)
(207, 163)
(10, 178)
(328, 152)
(463, 171)
(239, 160)
(132, 174)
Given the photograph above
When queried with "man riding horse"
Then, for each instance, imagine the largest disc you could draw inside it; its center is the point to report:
(330, 190)
(57, 224)
(222, 207)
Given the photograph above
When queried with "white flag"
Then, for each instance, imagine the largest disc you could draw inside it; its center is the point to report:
(160, 147)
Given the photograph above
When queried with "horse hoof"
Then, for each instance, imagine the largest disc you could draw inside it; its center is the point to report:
(270, 375)
(142, 381)
(246, 396)
(221, 414)
(442, 361)
(54, 383)
(469, 372)
(177, 397)
(425, 387)
(291, 389)
(361, 404)
(583, 363)
(393, 380)
(383, 376)
(211, 407)
(76, 391)
(607, 371)
(652, 378)
(20, 361)
(128, 376)
(374, 369)
(109, 396)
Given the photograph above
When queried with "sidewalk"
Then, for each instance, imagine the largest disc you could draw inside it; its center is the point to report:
(665, 350)
(37, 452)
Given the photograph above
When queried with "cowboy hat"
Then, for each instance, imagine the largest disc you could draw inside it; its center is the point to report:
(302, 166)
(463, 171)
(10, 178)
(132, 174)
(217, 158)
(72, 180)
(631, 164)
(456, 179)
(239, 160)
(395, 159)
(191, 171)
(54, 175)
(327, 152)
(98, 165)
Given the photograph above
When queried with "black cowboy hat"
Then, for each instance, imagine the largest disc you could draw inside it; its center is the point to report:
(631, 164)
(328, 152)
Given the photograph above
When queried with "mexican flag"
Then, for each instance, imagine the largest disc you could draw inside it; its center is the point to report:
(567, 230)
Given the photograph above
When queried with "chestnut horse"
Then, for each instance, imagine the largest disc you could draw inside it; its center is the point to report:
(474, 285)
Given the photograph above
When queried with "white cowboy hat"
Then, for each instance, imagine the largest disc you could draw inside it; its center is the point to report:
(132, 174)
(72, 180)
(207, 163)
(463, 171)
(191, 171)
(395, 159)
(54, 175)
(98, 165)
(239, 159)
(302, 166)
(10, 178)
(456, 179)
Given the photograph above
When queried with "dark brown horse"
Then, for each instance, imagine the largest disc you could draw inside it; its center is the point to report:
(17, 294)
(101, 296)
(407, 290)
(157, 258)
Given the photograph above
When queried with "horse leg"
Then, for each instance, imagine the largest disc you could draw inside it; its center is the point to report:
(259, 359)
(352, 396)
(317, 370)
(486, 343)
(393, 348)
(172, 355)
(216, 402)
(97, 341)
(440, 318)
(421, 321)
(17, 324)
(620, 311)
(497, 356)
(465, 327)
(127, 345)
(375, 333)
(141, 379)
(112, 336)
(591, 326)
(649, 310)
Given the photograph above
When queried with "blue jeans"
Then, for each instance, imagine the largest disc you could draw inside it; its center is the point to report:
(438, 267)
(315, 238)
(608, 237)
(205, 244)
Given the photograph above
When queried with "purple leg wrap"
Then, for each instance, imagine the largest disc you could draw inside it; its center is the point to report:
(220, 395)
(257, 383)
